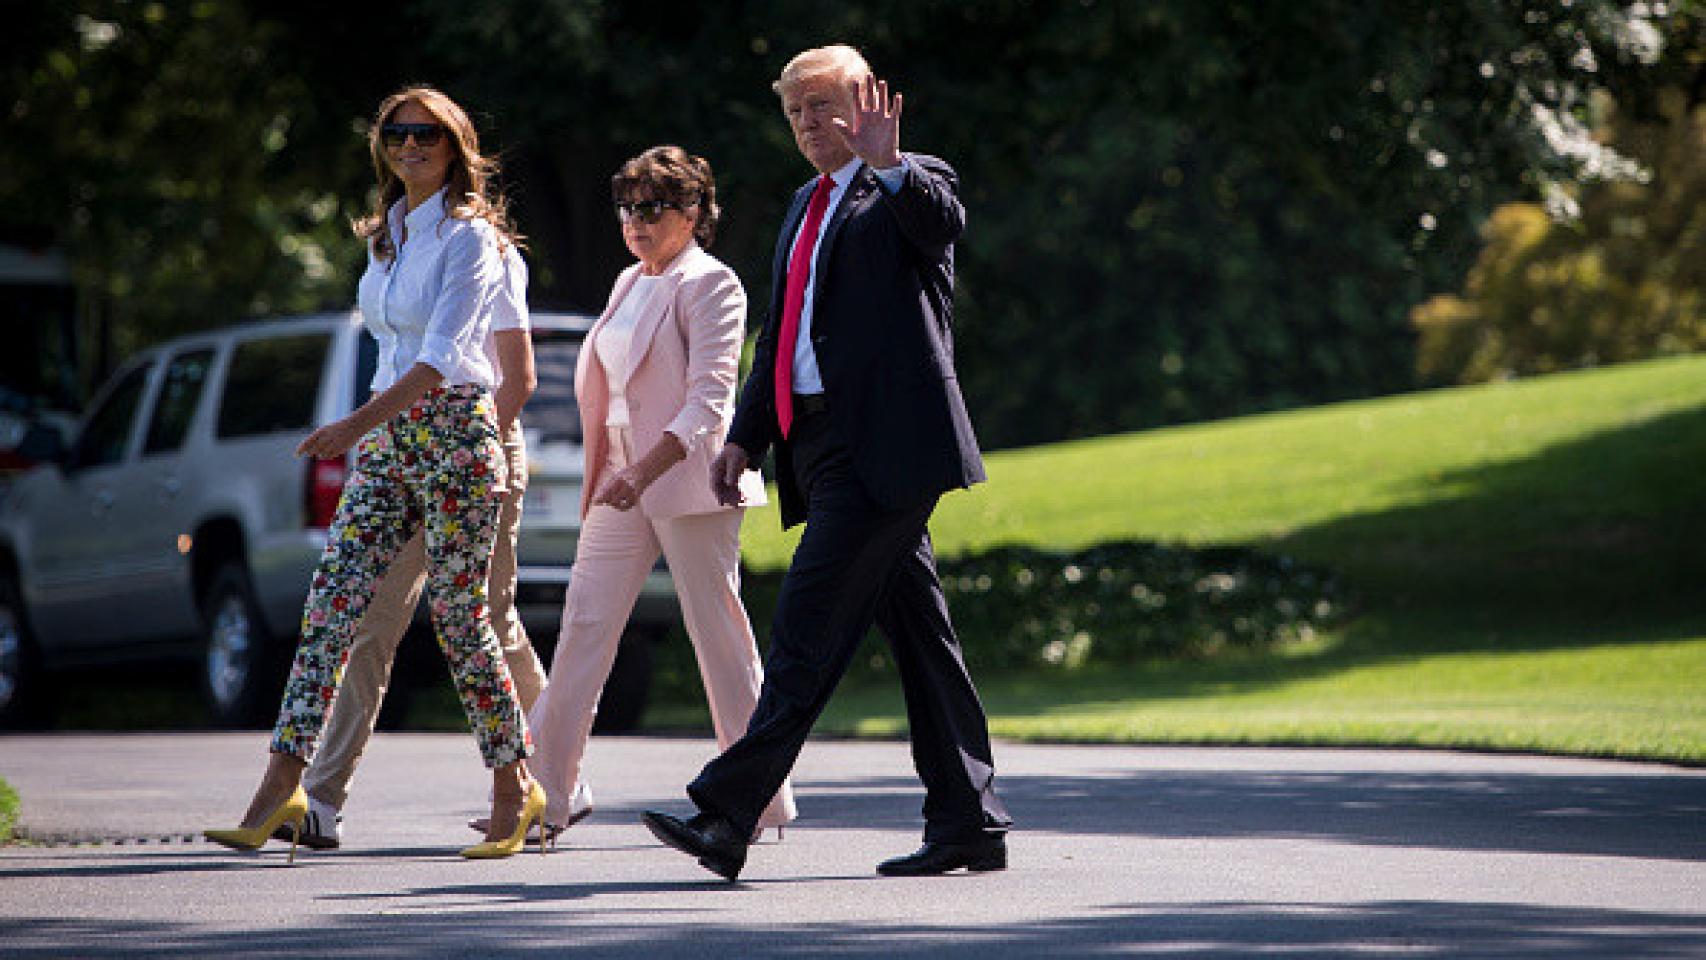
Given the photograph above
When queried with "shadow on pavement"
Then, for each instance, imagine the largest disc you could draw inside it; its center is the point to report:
(1636, 815)
(482, 894)
(1653, 817)
(1491, 931)
(81, 865)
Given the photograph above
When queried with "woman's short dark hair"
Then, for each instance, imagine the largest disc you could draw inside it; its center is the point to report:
(670, 173)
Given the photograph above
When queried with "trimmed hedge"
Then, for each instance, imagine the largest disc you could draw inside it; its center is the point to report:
(1021, 608)
(1123, 602)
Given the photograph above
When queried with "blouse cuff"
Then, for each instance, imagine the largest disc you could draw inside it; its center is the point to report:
(686, 431)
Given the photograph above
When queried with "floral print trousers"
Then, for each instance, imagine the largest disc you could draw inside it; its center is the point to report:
(437, 467)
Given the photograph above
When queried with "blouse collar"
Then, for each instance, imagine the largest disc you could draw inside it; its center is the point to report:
(420, 219)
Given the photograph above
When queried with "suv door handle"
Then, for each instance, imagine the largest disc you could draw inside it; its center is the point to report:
(103, 501)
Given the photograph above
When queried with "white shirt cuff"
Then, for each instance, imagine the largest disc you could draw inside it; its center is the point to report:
(892, 178)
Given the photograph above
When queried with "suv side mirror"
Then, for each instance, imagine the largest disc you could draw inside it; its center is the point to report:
(43, 443)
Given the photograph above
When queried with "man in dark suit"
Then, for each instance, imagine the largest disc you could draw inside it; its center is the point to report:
(853, 386)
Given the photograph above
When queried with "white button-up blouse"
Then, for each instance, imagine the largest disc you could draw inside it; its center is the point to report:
(509, 307)
(433, 303)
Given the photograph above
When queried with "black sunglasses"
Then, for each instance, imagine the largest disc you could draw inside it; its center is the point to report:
(646, 211)
(425, 134)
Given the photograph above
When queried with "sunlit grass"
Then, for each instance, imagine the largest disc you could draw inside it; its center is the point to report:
(1526, 557)
(1259, 479)
(1616, 700)
(8, 810)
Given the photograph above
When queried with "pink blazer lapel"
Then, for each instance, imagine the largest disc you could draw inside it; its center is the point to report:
(592, 389)
(586, 365)
(663, 299)
(589, 374)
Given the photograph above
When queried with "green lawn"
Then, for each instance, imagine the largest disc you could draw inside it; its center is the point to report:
(8, 811)
(1637, 700)
(1528, 561)
(1278, 477)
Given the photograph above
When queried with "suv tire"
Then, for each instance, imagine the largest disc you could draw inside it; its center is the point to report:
(241, 665)
(24, 703)
(623, 703)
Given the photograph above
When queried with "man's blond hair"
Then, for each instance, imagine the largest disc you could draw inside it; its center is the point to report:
(838, 60)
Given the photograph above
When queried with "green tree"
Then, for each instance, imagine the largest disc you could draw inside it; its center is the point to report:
(159, 145)
(1622, 278)
(1193, 210)
(1177, 210)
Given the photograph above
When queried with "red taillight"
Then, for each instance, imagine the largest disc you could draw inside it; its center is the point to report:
(325, 484)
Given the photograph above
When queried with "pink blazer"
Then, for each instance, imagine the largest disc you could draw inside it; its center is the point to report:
(683, 366)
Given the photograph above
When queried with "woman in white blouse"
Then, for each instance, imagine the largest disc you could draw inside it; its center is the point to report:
(389, 611)
(656, 388)
(429, 459)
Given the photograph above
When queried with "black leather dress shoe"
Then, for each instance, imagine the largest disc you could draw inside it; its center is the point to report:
(720, 848)
(989, 853)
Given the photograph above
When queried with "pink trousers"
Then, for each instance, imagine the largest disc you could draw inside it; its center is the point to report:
(616, 550)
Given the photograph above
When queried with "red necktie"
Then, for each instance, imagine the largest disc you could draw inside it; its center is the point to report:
(794, 301)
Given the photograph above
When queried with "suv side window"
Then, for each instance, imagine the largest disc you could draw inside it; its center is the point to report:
(179, 394)
(272, 385)
(366, 364)
(108, 429)
(552, 410)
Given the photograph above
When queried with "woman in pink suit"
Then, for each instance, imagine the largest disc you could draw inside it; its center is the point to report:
(656, 384)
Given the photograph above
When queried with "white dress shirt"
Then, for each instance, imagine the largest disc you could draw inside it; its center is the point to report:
(806, 376)
(433, 303)
(509, 307)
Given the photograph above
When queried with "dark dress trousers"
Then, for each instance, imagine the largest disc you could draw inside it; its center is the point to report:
(864, 476)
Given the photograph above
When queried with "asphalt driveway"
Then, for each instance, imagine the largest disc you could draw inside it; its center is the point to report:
(1179, 852)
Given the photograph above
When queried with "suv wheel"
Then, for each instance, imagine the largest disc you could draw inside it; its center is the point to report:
(240, 674)
(23, 695)
(623, 704)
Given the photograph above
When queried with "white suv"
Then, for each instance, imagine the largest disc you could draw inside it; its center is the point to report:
(180, 524)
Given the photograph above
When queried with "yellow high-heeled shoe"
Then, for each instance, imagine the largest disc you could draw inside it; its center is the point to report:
(532, 810)
(293, 811)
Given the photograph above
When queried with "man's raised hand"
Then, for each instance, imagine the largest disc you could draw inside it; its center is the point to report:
(872, 131)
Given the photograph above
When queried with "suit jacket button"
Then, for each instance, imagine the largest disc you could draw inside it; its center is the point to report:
(820, 340)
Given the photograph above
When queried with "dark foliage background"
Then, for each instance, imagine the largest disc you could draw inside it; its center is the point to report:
(1178, 210)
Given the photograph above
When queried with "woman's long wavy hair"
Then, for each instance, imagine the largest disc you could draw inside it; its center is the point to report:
(469, 177)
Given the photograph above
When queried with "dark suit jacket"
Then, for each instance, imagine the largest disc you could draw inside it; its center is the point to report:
(882, 328)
